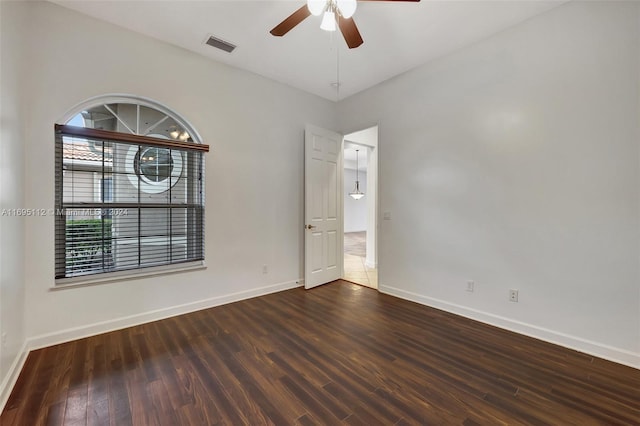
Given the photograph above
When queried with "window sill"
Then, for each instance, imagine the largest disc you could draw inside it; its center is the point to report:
(64, 283)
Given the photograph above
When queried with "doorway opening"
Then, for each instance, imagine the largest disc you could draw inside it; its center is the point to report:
(360, 222)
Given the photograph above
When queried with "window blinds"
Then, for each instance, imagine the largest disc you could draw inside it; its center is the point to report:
(126, 201)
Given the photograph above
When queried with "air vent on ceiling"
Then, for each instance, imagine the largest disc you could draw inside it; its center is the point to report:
(220, 44)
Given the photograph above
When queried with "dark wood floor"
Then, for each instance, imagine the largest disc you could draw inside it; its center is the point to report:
(338, 354)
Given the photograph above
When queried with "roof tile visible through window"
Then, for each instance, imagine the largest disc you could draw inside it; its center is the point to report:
(82, 152)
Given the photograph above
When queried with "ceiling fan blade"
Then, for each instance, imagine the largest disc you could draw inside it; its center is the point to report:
(294, 19)
(350, 32)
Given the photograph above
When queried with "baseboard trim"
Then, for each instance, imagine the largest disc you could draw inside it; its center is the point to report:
(75, 333)
(610, 353)
(12, 375)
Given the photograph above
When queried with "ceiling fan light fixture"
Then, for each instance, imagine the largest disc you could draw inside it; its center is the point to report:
(328, 21)
(316, 7)
(347, 8)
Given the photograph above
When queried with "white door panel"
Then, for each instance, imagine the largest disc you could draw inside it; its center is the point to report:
(323, 206)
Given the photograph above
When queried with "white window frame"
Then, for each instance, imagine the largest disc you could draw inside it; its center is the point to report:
(118, 98)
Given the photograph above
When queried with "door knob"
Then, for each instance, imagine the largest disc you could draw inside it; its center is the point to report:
(310, 227)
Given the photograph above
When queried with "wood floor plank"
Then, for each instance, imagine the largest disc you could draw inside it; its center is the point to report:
(119, 398)
(268, 376)
(204, 408)
(337, 354)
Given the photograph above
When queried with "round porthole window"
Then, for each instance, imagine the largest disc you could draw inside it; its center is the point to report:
(153, 164)
(152, 169)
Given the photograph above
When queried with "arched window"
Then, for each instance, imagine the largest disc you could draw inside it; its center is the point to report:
(129, 189)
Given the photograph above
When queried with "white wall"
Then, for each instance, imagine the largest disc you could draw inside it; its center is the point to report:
(355, 211)
(254, 172)
(12, 295)
(515, 163)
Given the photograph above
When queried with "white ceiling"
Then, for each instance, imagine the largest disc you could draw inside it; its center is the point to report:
(398, 36)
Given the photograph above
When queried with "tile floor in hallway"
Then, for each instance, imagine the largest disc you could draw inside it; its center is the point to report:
(355, 269)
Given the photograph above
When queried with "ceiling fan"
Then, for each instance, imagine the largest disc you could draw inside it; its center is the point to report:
(333, 11)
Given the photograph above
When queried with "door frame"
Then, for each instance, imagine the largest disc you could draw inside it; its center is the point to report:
(372, 166)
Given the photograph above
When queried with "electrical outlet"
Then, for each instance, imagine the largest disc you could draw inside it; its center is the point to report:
(4, 339)
(265, 269)
(470, 286)
(513, 295)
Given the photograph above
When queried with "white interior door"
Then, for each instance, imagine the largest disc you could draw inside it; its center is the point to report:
(323, 242)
